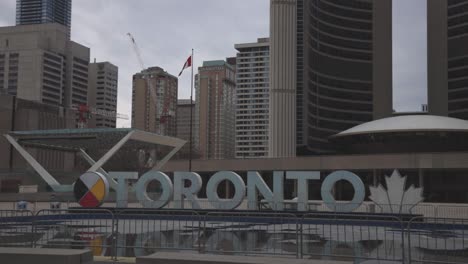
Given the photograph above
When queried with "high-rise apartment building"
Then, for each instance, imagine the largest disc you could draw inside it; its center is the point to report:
(447, 59)
(44, 12)
(330, 69)
(252, 99)
(215, 110)
(39, 63)
(155, 111)
(102, 93)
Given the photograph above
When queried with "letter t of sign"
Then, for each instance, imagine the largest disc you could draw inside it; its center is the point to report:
(122, 186)
(256, 185)
(303, 178)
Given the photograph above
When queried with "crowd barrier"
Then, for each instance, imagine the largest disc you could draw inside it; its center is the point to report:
(438, 240)
(76, 229)
(137, 232)
(341, 236)
(146, 231)
(431, 210)
(16, 228)
(268, 233)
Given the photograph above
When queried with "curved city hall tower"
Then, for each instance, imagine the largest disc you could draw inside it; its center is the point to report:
(342, 56)
(447, 57)
(282, 132)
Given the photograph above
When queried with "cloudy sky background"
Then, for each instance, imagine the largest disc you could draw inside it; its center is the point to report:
(167, 30)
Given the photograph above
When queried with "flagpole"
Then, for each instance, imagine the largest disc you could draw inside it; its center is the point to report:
(191, 118)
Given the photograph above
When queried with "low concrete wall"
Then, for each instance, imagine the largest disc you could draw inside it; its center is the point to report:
(188, 258)
(45, 256)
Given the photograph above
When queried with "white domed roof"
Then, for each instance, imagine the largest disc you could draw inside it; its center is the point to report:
(408, 123)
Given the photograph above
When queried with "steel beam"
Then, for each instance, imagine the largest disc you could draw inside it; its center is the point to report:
(111, 152)
(51, 181)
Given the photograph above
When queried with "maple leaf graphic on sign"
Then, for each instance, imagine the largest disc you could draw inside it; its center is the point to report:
(395, 199)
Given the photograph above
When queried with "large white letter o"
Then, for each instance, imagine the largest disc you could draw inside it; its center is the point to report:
(329, 182)
(212, 190)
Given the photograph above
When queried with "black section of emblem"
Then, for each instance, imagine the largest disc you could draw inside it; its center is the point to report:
(80, 189)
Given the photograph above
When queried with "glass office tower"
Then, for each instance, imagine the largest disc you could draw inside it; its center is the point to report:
(44, 11)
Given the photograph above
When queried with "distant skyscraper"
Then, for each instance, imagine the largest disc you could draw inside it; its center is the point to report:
(252, 99)
(155, 116)
(183, 123)
(215, 110)
(447, 61)
(330, 69)
(39, 63)
(43, 12)
(103, 86)
(282, 133)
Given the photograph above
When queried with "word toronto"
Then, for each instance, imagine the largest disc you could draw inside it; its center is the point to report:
(179, 190)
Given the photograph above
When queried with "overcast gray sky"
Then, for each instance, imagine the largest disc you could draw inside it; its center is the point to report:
(167, 30)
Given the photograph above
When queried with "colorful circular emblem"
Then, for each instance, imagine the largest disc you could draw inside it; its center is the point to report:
(91, 189)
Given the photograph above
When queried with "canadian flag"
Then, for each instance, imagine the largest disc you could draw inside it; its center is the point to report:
(187, 64)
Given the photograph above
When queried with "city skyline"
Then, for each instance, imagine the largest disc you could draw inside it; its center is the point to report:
(188, 29)
(332, 130)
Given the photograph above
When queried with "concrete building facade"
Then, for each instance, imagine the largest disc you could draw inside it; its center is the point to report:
(155, 114)
(331, 69)
(252, 99)
(21, 115)
(447, 35)
(282, 109)
(215, 110)
(103, 91)
(39, 63)
(43, 12)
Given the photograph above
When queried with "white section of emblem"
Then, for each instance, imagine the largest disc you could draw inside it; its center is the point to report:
(89, 179)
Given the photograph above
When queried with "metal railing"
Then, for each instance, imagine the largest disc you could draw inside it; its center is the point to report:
(339, 236)
(250, 233)
(76, 229)
(424, 209)
(452, 211)
(437, 240)
(146, 231)
(348, 236)
(16, 228)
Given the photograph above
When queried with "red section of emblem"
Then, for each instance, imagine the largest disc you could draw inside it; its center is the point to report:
(89, 200)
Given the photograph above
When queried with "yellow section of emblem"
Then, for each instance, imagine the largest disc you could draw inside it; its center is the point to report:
(99, 190)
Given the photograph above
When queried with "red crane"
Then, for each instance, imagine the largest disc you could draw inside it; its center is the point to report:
(85, 112)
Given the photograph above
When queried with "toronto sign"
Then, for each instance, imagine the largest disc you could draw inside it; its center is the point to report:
(91, 190)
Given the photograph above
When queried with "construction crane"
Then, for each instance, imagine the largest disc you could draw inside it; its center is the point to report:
(85, 112)
(165, 113)
(142, 66)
